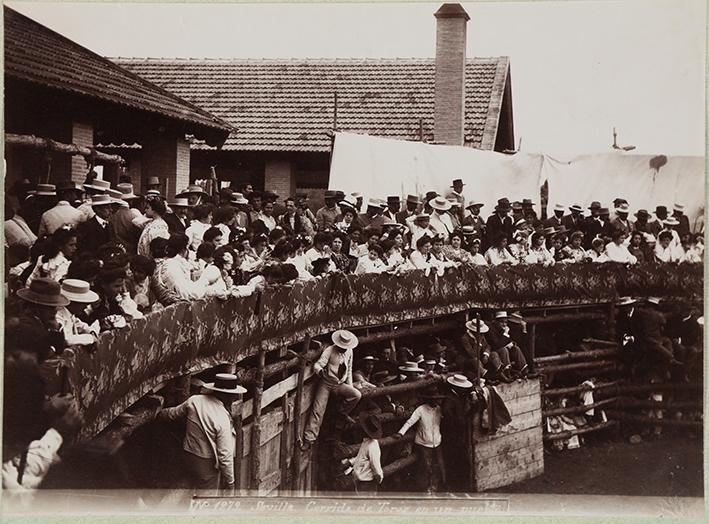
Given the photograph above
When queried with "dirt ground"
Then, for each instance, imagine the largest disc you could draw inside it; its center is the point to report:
(669, 466)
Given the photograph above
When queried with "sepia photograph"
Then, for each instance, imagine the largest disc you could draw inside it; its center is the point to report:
(321, 260)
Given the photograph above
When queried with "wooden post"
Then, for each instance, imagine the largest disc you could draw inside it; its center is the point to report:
(532, 346)
(297, 408)
(256, 424)
(239, 445)
(284, 441)
(611, 321)
(478, 346)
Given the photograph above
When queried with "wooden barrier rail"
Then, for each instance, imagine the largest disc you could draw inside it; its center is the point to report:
(557, 392)
(351, 451)
(578, 365)
(640, 419)
(578, 409)
(576, 355)
(580, 431)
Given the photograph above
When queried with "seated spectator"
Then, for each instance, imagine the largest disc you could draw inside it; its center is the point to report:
(498, 254)
(40, 302)
(54, 263)
(538, 253)
(321, 249)
(573, 252)
(665, 250)
(201, 222)
(475, 256)
(597, 253)
(76, 331)
(347, 220)
(691, 254)
(205, 255)
(140, 286)
(298, 259)
(340, 259)
(175, 273)
(213, 236)
(393, 259)
(438, 253)
(217, 280)
(520, 247)
(110, 286)
(617, 251)
(225, 220)
(637, 247)
(371, 262)
(422, 258)
(354, 246)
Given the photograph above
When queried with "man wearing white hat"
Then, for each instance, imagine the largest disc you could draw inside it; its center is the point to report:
(621, 222)
(209, 437)
(440, 219)
(179, 220)
(123, 220)
(373, 217)
(76, 331)
(96, 231)
(555, 221)
(63, 213)
(488, 363)
(500, 340)
(334, 367)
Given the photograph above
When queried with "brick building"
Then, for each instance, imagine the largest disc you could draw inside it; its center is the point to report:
(284, 111)
(56, 89)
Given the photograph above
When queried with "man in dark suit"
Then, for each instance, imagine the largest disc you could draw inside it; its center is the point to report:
(500, 222)
(393, 207)
(678, 213)
(290, 221)
(412, 203)
(555, 221)
(178, 221)
(500, 341)
(474, 219)
(96, 231)
(594, 226)
(574, 221)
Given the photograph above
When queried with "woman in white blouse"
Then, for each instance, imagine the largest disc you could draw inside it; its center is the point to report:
(617, 251)
(55, 262)
(538, 253)
(454, 251)
(371, 262)
(201, 222)
(665, 249)
(154, 210)
(498, 253)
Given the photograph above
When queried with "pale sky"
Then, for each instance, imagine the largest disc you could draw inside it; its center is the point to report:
(578, 68)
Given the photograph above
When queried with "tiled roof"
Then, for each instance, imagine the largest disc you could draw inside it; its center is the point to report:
(36, 54)
(288, 105)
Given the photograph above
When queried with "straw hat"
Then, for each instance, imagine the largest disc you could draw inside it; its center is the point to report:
(459, 381)
(126, 191)
(500, 314)
(371, 425)
(179, 202)
(192, 189)
(225, 383)
(45, 190)
(676, 207)
(413, 199)
(625, 301)
(622, 208)
(45, 292)
(410, 367)
(654, 300)
(99, 185)
(78, 291)
(101, 200)
(472, 325)
(559, 207)
(468, 230)
(344, 339)
(238, 198)
(516, 318)
(474, 203)
(576, 207)
(671, 221)
(423, 216)
(440, 203)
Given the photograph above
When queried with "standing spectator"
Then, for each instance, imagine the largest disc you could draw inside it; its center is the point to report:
(334, 367)
(367, 465)
(457, 192)
(209, 443)
(683, 226)
(17, 230)
(412, 203)
(621, 222)
(195, 195)
(124, 220)
(440, 220)
(641, 221)
(555, 220)
(656, 225)
(594, 226)
(393, 207)
(427, 442)
(224, 219)
(96, 231)
(573, 221)
(474, 219)
(699, 222)
(291, 221)
(175, 273)
(178, 220)
(499, 222)
(266, 216)
(76, 331)
(155, 210)
(326, 216)
(62, 214)
(373, 217)
(201, 221)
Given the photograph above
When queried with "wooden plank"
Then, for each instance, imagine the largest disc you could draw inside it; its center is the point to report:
(269, 483)
(523, 405)
(276, 391)
(270, 428)
(256, 424)
(505, 479)
(519, 423)
(516, 389)
(527, 438)
(284, 442)
(513, 460)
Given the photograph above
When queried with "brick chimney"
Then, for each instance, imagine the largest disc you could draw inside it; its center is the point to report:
(449, 106)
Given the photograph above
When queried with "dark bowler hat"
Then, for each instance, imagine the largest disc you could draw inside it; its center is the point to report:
(642, 213)
(503, 203)
(413, 199)
(604, 211)
(371, 425)
(393, 200)
(329, 193)
(458, 181)
(339, 195)
(45, 292)
(595, 205)
(527, 203)
(661, 209)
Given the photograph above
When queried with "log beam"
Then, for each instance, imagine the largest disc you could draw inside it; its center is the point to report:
(578, 409)
(59, 147)
(580, 431)
(576, 355)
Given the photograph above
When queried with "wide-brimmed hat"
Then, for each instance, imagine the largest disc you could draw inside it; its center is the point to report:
(101, 200)
(423, 216)
(576, 207)
(225, 383)
(393, 200)
(369, 358)
(625, 301)
(238, 198)
(69, 185)
(642, 213)
(468, 230)
(370, 424)
(329, 193)
(45, 190)
(676, 207)
(649, 238)
(413, 199)
(344, 339)
(437, 347)
(527, 203)
(474, 203)
(595, 205)
(503, 203)
(460, 381)
(192, 189)
(517, 205)
(547, 231)
(410, 367)
(516, 318)
(153, 193)
(356, 194)
(389, 222)
(126, 191)
(501, 314)
(622, 208)
(559, 207)
(78, 291)
(99, 185)
(45, 292)
(458, 181)
(153, 181)
(179, 202)
(670, 221)
(440, 203)
(350, 202)
(472, 325)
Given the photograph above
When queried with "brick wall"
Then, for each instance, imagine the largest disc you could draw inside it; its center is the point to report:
(449, 105)
(279, 177)
(167, 158)
(82, 135)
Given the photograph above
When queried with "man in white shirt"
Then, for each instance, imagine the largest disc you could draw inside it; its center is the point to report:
(440, 219)
(63, 214)
(427, 442)
(334, 367)
(367, 465)
(175, 273)
(209, 437)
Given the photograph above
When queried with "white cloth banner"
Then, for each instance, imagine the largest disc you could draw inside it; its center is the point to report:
(620, 175)
(381, 167)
